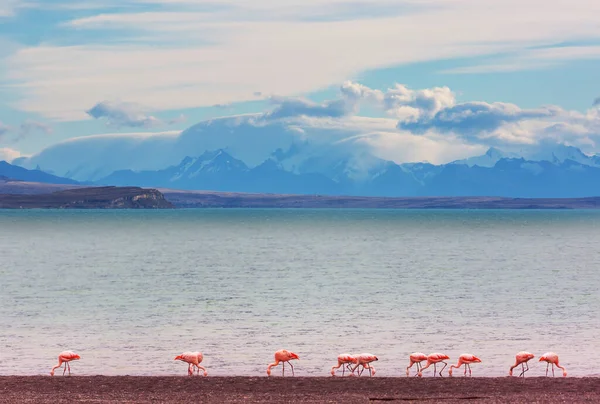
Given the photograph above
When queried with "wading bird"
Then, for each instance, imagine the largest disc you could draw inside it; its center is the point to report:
(521, 359)
(283, 356)
(552, 358)
(65, 357)
(344, 361)
(365, 360)
(433, 359)
(464, 359)
(417, 358)
(193, 359)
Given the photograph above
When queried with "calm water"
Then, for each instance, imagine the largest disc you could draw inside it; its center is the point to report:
(129, 290)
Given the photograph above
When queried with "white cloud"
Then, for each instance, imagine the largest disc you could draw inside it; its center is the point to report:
(8, 155)
(531, 60)
(251, 138)
(122, 114)
(25, 129)
(181, 58)
(30, 126)
(8, 7)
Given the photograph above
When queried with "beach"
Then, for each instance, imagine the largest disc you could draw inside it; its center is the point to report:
(349, 390)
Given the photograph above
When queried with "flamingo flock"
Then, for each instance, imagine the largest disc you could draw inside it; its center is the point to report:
(352, 363)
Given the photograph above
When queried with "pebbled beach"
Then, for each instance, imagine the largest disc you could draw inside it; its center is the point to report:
(349, 390)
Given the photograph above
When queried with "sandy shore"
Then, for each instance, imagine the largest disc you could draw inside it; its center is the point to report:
(133, 389)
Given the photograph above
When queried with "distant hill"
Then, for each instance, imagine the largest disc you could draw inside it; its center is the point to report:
(10, 186)
(19, 173)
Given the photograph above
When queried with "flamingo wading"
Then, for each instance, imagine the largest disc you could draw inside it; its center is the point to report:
(521, 359)
(464, 359)
(65, 357)
(344, 361)
(433, 359)
(365, 360)
(284, 356)
(193, 359)
(552, 358)
(416, 358)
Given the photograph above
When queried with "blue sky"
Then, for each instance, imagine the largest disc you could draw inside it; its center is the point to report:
(71, 69)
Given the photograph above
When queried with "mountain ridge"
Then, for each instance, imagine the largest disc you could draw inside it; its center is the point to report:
(219, 171)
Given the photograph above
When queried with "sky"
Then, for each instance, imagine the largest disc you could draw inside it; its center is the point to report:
(442, 79)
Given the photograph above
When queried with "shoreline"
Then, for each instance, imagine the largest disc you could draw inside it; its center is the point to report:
(237, 389)
(31, 195)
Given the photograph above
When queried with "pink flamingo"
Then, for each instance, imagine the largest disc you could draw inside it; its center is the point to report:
(417, 358)
(433, 359)
(365, 360)
(343, 361)
(65, 357)
(284, 356)
(193, 359)
(521, 359)
(464, 359)
(552, 358)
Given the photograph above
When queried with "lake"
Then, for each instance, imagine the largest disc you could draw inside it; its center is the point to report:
(130, 290)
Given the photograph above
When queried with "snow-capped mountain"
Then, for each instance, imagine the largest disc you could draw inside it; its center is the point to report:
(515, 177)
(219, 171)
(558, 154)
(489, 159)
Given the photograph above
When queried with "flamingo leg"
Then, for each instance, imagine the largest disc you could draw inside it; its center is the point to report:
(292, 366)
(65, 368)
(523, 366)
(370, 371)
(553, 370)
(68, 364)
(465, 373)
(445, 364)
(283, 368)
(470, 372)
(522, 374)
(434, 370)
(547, 364)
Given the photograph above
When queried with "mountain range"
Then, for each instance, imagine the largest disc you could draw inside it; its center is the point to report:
(564, 172)
(560, 172)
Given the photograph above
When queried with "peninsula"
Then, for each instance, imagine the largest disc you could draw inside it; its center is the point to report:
(88, 198)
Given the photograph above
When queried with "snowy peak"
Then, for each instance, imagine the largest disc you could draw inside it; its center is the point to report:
(214, 162)
(489, 159)
(558, 154)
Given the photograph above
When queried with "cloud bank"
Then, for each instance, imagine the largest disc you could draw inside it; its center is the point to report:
(191, 54)
(128, 115)
(26, 128)
(8, 154)
(421, 125)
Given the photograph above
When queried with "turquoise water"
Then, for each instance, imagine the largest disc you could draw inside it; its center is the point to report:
(129, 290)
